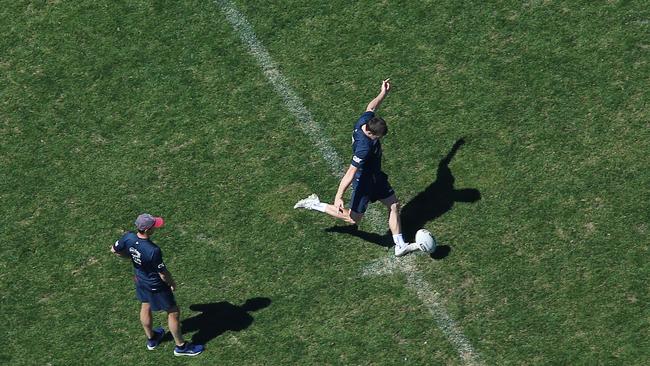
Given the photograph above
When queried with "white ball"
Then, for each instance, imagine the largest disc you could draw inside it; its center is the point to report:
(425, 241)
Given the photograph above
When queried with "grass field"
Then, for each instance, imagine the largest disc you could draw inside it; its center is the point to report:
(112, 108)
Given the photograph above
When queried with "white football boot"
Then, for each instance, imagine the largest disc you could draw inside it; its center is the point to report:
(308, 202)
(401, 250)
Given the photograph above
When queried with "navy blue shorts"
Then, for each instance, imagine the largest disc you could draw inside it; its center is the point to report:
(158, 300)
(369, 189)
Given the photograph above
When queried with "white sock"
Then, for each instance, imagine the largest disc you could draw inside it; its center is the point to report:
(399, 240)
(320, 206)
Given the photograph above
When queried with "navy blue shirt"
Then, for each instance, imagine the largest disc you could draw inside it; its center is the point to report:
(147, 260)
(367, 152)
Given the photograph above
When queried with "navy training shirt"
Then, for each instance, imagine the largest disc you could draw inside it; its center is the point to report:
(147, 260)
(367, 152)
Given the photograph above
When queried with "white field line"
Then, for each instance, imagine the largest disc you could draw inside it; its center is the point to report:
(431, 299)
(407, 265)
(281, 86)
(291, 100)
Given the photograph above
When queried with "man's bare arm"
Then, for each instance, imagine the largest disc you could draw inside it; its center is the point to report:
(374, 104)
(343, 186)
(166, 276)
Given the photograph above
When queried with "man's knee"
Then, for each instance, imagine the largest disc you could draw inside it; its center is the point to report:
(174, 312)
(391, 202)
(354, 217)
(395, 206)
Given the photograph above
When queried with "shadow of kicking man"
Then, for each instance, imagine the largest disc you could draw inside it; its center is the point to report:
(438, 198)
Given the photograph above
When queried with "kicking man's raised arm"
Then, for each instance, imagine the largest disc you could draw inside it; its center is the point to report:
(374, 104)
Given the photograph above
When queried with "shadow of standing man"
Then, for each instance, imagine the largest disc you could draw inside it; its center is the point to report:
(217, 318)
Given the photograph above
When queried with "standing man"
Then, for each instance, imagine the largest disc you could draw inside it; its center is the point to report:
(369, 183)
(153, 284)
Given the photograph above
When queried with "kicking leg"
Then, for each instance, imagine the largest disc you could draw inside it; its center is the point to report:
(342, 213)
(313, 203)
(393, 206)
(394, 223)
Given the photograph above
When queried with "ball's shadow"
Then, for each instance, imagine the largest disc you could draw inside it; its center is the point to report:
(434, 201)
(441, 252)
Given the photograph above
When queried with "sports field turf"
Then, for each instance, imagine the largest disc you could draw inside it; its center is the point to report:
(112, 108)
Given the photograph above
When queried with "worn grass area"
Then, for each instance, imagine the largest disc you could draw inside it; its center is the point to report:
(109, 109)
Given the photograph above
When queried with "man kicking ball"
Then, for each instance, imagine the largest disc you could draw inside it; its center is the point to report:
(369, 183)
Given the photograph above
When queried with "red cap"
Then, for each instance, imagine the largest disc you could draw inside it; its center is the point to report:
(146, 222)
(159, 222)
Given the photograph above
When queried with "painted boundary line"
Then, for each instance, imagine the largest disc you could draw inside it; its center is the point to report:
(281, 86)
(291, 99)
(430, 298)
(383, 266)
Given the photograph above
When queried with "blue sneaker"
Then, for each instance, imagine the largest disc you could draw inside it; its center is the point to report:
(188, 349)
(158, 334)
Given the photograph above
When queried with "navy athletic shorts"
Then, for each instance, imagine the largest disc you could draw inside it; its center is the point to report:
(162, 299)
(369, 189)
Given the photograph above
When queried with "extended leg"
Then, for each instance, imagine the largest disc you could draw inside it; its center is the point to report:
(313, 203)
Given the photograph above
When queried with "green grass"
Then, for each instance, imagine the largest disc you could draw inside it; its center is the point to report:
(110, 109)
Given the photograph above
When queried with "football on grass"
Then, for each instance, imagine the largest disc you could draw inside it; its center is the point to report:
(425, 241)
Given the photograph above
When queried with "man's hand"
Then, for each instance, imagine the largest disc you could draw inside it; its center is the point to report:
(120, 254)
(338, 203)
(374, 104)
(385, 86)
